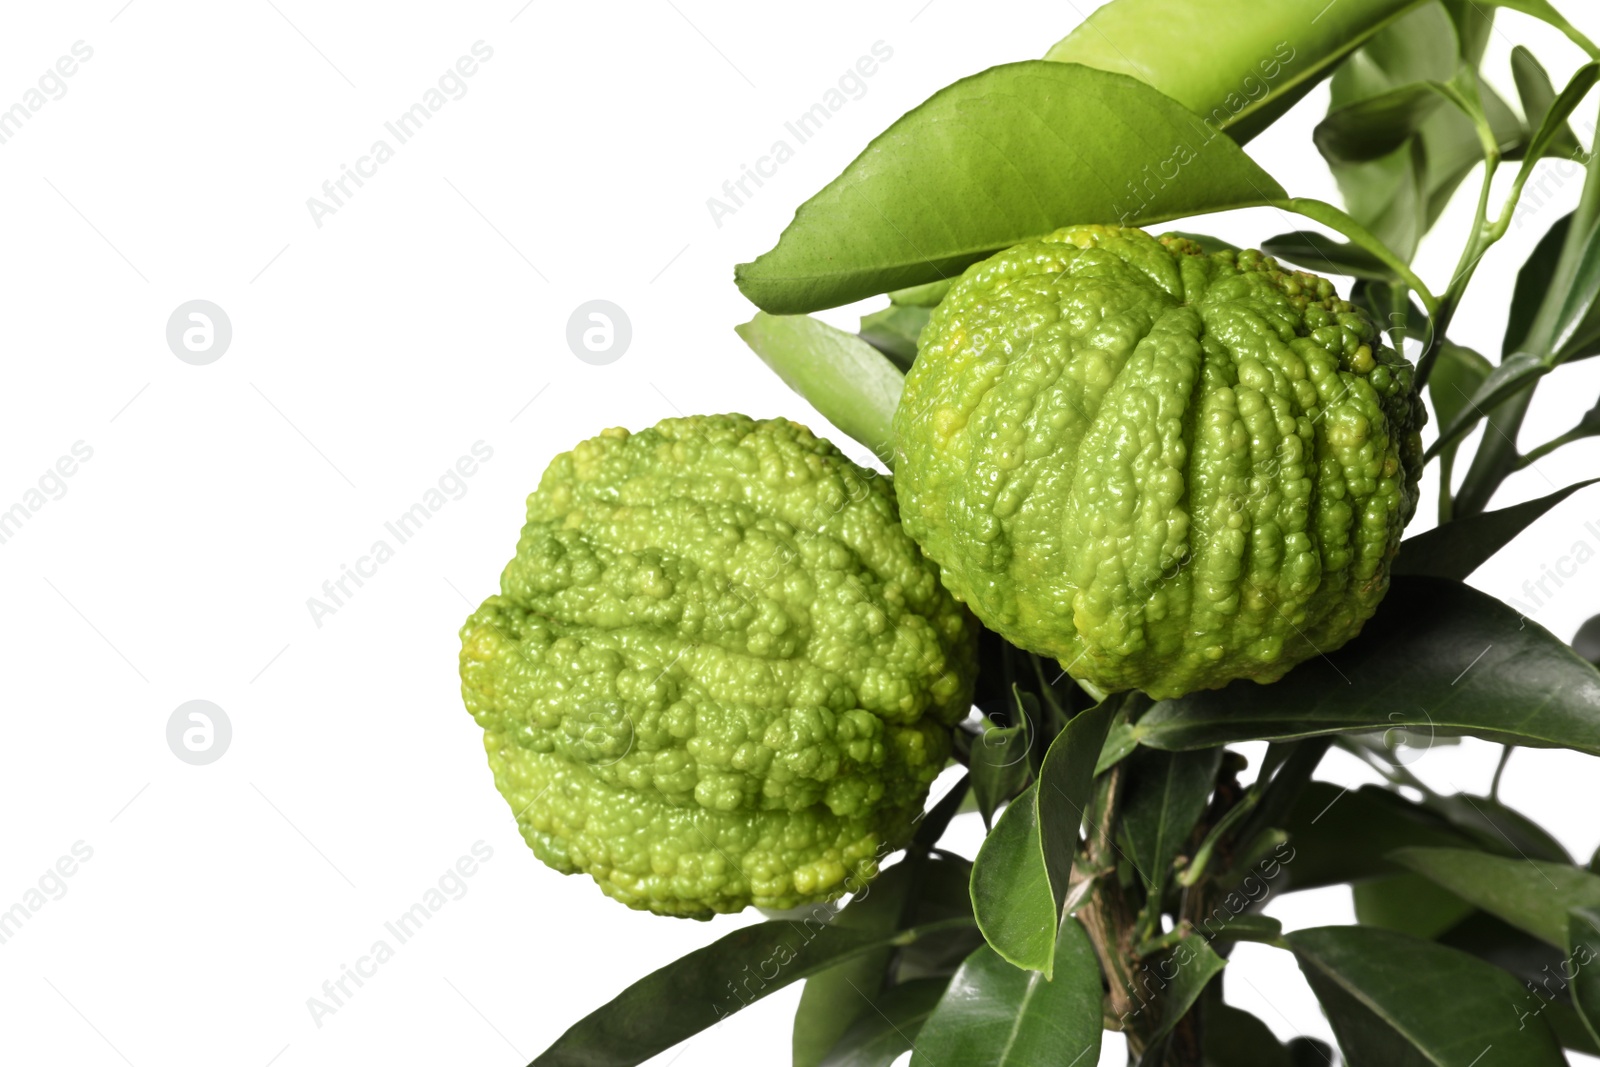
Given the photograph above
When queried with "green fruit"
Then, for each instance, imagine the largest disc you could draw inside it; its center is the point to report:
(1167, 470)
(718, 673)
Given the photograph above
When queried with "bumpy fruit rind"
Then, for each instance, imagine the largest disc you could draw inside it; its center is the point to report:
(1166, 469)
(717, 673)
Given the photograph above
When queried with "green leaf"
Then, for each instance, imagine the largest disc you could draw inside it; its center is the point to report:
(934, 821)
(1237, 63)
(1011, 894)
(1583, 935)
(879, 1036)
(1235, 1038)
(1014, 152)
(1497, 828)
(1408, 904)
(1537, 94)
(999, 761)
(1496, 941)
(834, 998)
(1208, 244)
(1065, 783)
(1318, 252)
(692, 993)
(1192, 964)
(1375, 126)
(1165, 795)
(1000, 1016)
(1020, 879)
(1516, 373)
(894, 332)
(1546, 12)
(848, 381)
(922, 296)
(1456, 376)
(1530, 895)
(1120, 744)
(1397, 1001)
(1458, 548)
(1346, 835)
(1535, 281)
(1438, 655)
(1586, 643)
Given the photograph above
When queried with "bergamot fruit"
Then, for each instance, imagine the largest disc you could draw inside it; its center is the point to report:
(717, 673)
(1164, 468)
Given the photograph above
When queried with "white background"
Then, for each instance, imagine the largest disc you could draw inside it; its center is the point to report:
(429, 313)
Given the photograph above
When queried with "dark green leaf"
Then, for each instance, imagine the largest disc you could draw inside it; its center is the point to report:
(1497, 828)
(936, 819)
(1458, 548)
(1552, 121)
(1014, 152)
(1248, 926)
(693, 992)
(1563, 1021)
(1235, 1038)
(1396, 1001)
(1516, 373)
(1318, 252)
(999, 760)
(1496, 941)
(852, 384)
(1346, 835)
(1238, 64)
(1586, 643)
(997, 1015)
(1309, 1052)
(1120, 743)
(1376, 125)
(1438, 655)
(1537, 93)
(879, 1035)
(832, 999)
(1530, 895)
(1065, 783)
(1163, 799)
(894, 332)
(1011, 894)
(1177, 979)
(1577, 308)
(1458, 373)
(1583, 966)
(1535, 280)
(1409, 904)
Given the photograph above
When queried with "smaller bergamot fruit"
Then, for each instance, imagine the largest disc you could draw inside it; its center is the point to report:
(1166, 469)
(718, 673)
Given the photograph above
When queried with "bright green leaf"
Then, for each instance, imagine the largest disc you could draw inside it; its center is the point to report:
(1530, 895)
(1014, 152)
(1237, 63)
(852, 384)
(1398, 1001)
(1537, 93)
(997, 1015)
(1438, 655)
(1458, 548)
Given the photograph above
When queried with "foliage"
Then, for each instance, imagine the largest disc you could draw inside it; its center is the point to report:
(1128, 849)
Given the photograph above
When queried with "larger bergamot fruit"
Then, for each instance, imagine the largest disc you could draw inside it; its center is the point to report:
(717, 673)
(1164, 468)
